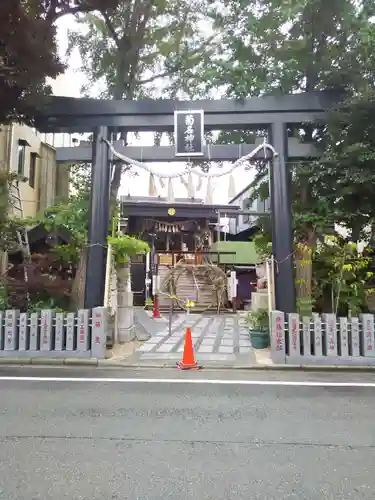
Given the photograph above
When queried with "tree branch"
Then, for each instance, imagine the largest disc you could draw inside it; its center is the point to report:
(51, 11)
(53, 16)
(56, 9)
(111, 28)
(174, 70)
(156, 77)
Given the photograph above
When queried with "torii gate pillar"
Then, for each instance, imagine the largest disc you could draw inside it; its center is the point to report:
(98, 221)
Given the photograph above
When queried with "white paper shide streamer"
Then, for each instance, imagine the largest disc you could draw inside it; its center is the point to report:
(209, 197)
(232, 187)
(190, 186)
(170, 190)
(190, 171)
(152, 191)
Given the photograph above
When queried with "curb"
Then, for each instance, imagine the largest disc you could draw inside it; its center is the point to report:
(107, 363)
(15, 361)
(255, 368)
(8, 361)
(81, 362)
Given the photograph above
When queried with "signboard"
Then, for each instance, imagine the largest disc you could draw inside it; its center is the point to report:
(189, 133)
(165, 259)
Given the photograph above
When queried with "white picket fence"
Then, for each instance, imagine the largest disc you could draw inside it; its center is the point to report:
(54, 334)
(322, 339)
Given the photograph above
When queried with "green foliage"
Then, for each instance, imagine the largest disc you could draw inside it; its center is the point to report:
(28, 51)
(67, 253)
(70, 214)
(8, 225)
(263, 244)
(268, 47)
(4, 298)
(305, 306)
(346, 172)
(303, 45)
(287, 46)
(124, 247)
(342, 277)
(138, 44)
(142, 49)
(4, 196)
(290, 46)
(258, 320)
(37, 304)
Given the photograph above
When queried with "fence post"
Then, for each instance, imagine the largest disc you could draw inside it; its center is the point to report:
(46, 320)
(277, 333)
(23, 327)
(294, 337)
(318, 342)
(354, 329)
(83, 330)
(368, 334)
(306, 335)
(99, 326)
(34, 330)
(331, 334)
(70, 331)
(11, 320)
(344, 344)
(59, 331)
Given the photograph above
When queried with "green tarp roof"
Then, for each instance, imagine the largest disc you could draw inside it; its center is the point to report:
(245, 253)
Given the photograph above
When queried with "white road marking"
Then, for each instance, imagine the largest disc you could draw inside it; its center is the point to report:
(285, 383)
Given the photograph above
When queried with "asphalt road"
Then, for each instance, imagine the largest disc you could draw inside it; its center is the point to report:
(155, 440)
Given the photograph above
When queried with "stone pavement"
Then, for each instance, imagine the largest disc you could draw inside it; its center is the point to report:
(220, 339)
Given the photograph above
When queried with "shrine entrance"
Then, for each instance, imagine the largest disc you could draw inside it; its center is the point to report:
(189, 120)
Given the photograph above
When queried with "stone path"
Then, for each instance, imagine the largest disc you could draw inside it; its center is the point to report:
(222, 338)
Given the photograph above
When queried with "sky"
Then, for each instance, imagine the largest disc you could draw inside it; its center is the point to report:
(69, 84)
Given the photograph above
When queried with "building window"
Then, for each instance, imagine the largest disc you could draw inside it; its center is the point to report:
(21, 156)
(32, 169)
(21, 159)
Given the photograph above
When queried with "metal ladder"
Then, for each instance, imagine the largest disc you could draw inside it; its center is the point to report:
(16, 208)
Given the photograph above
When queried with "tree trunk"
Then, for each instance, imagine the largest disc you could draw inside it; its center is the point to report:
(303, 261)
(303, 255)
(78, 288)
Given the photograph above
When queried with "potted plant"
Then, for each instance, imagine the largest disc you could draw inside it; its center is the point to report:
(259, 329)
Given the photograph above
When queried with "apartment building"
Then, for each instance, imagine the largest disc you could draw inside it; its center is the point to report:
(23, 151)
(239, 228)
(42, 181)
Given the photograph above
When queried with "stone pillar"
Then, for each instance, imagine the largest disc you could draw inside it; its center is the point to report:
(259, 299)
(125, 310)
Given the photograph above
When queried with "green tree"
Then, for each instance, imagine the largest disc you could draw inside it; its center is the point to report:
(140, 49)
(136, 51)
(278, 46)
(72, 215)
(346, 170)
(286, 46)
(28, 52)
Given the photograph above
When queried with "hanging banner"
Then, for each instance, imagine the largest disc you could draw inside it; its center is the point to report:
(189, 133)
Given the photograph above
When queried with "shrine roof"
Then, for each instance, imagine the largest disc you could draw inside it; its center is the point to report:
(147, 206)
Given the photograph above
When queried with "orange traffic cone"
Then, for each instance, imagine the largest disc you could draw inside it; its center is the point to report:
(188, 361)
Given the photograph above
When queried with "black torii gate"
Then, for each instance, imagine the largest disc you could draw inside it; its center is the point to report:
(103, 117)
